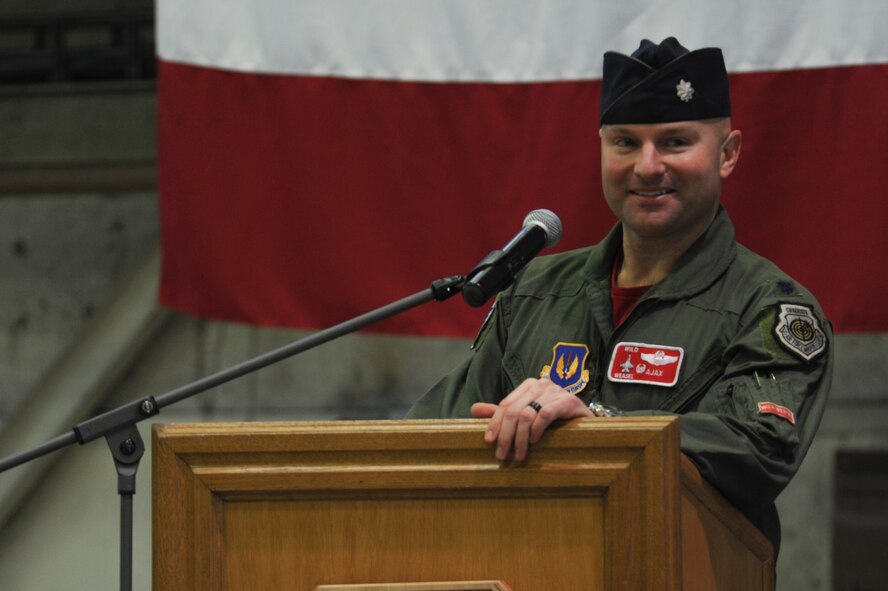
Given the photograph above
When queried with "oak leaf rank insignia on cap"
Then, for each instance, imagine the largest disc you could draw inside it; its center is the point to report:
(684, 90)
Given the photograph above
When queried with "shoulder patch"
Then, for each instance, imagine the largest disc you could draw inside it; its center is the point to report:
(798, 331)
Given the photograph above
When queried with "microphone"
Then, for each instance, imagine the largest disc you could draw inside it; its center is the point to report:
(541, 229)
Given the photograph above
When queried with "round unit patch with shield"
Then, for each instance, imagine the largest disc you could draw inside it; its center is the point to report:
(798, 330)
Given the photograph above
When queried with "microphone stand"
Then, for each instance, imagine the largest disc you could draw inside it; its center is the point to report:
(118, 426)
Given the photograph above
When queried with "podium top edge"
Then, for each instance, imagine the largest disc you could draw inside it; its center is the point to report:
(258, 428)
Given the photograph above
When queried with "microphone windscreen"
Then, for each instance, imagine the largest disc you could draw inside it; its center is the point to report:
(548, 221)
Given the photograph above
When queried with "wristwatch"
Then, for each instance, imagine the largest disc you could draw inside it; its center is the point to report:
(600, 410)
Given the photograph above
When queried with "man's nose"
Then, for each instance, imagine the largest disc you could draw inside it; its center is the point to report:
(649, 163)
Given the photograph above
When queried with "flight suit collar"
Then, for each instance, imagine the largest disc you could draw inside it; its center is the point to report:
(703, 263)
(695, 270)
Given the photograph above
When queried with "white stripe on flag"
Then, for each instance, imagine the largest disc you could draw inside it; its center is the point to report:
(509, 40)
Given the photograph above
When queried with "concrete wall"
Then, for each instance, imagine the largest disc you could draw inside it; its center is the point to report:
(65, 255)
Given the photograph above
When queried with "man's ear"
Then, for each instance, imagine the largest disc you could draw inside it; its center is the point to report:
(730, 153)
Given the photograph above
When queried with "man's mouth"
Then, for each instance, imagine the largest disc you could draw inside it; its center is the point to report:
(655, 193)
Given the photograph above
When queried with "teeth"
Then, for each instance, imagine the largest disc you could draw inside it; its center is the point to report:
(651, 193)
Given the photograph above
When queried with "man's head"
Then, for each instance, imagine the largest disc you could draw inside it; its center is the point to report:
(667, 142)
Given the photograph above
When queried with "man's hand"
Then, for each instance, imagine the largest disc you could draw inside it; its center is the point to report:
(515, 424)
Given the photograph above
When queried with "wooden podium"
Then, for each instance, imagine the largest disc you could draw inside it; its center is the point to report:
(399, 505)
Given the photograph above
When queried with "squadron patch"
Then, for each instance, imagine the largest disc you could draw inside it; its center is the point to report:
(568, 367)
(799, 332)
(640, 363)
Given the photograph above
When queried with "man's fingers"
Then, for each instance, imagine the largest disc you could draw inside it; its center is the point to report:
(521, 441)
(564, 407)
(522, 417)
(510, 416)
(516, 400)
(483, 410)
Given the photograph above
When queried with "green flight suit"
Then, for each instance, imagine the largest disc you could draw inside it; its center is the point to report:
(755, 357)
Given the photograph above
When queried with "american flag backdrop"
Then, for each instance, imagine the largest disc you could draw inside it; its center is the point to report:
(320, 158)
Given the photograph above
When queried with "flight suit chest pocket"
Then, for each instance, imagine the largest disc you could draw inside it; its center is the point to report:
(690, 390)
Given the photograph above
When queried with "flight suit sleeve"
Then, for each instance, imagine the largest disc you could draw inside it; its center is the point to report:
(479, 378)
(751, 430)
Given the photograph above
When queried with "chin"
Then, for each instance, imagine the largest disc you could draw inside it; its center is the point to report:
(653, 217)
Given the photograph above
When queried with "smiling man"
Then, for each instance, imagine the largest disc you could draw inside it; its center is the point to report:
(668, 314)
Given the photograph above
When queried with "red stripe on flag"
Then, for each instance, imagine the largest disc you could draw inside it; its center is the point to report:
(304, 201)
(809, 190)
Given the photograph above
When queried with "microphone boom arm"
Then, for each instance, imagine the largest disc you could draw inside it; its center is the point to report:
(118, 426)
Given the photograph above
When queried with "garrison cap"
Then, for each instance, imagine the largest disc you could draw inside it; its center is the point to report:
(664, 83)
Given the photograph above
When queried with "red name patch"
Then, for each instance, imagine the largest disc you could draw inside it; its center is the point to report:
(769, 408)
(641, 363)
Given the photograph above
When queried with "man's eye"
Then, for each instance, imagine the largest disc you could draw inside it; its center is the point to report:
(624, 142)
(677, 142)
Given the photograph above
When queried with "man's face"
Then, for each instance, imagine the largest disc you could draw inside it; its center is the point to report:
(664, 180)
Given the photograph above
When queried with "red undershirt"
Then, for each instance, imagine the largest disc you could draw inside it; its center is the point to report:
(623, 299)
